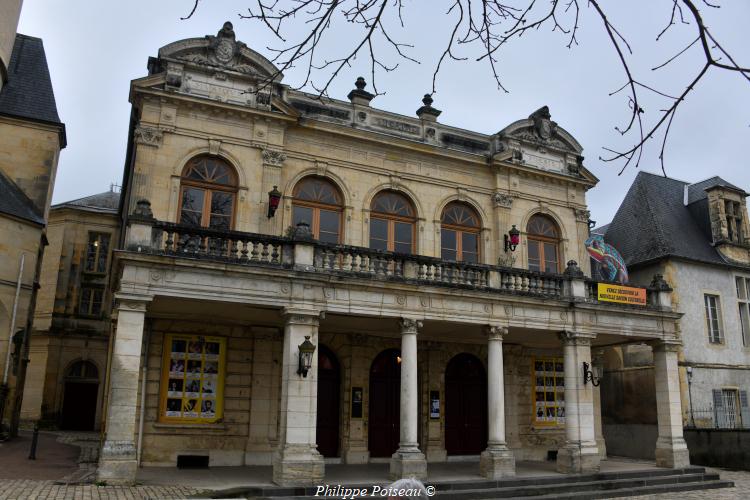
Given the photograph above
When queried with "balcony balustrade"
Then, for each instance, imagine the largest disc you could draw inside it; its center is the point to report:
(250, 249)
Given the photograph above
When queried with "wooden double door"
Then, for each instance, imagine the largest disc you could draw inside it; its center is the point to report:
(465, 406)
(385, 404)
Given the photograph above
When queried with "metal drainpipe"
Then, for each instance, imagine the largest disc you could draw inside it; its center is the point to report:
(142, 411)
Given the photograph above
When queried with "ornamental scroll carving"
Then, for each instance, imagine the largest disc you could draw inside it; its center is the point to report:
(582, 215)
(148, 136)
(273, 158)
(502, 200)
(410, 325)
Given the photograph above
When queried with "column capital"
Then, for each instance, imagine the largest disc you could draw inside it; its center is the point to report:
(568, 337)
(298, 316)
(409, 325)
(495, 332)
(132, 301)
(666, 345)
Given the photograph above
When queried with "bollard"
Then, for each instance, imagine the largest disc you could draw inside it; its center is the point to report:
(34, 439)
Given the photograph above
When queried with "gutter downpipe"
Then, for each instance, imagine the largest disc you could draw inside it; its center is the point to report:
(142, 410)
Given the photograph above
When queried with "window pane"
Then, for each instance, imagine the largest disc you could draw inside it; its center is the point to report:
(221, 203)
(101, 265)
(388, 202)
(403, 232)
(378, 234)
(534, 263)
(85, 300)
(91, 252)
(378, 229)
(448, 244)
(469, 257)
(329, 221)
(745, 322)
(402, 247)
(550, 257)
(96, 302)
(220, 222)
(192, 199)
(329, 237)
(469, 243)
(301, 214)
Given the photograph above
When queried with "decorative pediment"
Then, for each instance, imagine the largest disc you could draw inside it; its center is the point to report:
(220, 52)
(539, 130)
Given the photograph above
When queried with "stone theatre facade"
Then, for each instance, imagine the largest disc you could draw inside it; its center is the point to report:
(260, 222)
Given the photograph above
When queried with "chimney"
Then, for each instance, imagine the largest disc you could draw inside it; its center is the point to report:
(685, 196)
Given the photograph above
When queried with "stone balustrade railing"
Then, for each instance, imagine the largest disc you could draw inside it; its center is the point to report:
(301, 252)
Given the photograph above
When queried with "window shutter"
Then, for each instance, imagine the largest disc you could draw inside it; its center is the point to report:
(718, 405)
(744, 410)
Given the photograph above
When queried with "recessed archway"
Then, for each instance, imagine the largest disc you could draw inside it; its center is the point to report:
(465, 405)
(80, 396)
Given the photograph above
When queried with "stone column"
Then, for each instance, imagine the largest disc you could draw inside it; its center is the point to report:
(297, 461)
(597, 360)
(579, 454)
(497, 460)
(409, 461)
(118, 462)
(671, 449)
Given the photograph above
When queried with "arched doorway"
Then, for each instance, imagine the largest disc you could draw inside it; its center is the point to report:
(329, 395)
(384, 407)
(80, 397)
(465, 406)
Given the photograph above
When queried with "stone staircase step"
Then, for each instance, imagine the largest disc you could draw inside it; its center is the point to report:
(644, 490)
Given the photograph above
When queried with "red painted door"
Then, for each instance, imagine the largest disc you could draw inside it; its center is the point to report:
(465, 406)
(384, 407)
(329, 386)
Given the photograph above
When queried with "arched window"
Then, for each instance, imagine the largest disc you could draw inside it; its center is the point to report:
(207, 194)
(392, 222)
(82, 369)
(544, 242)
(459, 233)
(320, 204)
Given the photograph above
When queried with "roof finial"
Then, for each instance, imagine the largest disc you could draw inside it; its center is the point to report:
(427, 112)
(359, 95)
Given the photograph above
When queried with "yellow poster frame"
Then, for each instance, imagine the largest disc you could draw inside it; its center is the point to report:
(166, 376)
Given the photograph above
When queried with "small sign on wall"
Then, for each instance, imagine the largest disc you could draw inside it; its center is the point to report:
(434, 404)
(621, 294)
(357, 393)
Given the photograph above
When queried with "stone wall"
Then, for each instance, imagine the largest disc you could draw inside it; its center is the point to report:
(719, 447)
(248, 434)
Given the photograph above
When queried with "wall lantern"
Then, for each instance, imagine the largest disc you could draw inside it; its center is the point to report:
(274, 197)
(512, 239)
(589, 376)
(306, 350)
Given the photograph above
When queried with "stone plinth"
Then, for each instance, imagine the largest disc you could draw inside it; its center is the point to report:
(298, 465)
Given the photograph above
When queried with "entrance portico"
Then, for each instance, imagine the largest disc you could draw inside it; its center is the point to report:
(531, 348)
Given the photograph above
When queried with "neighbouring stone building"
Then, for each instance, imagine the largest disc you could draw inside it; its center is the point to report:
(69, 345)
(31, 137)
(696, 236)
(432, 269)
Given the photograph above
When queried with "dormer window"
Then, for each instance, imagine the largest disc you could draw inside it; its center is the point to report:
(733, 212)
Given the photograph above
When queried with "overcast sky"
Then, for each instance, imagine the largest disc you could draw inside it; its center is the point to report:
(95, 48)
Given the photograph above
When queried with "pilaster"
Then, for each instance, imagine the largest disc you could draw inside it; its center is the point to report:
(579, 454)
(671, 448)
(118, 462)
(297, 461)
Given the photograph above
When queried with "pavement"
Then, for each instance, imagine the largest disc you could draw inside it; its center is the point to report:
(63, 471)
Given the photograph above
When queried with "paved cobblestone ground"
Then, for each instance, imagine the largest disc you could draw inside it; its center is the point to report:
(23, 489)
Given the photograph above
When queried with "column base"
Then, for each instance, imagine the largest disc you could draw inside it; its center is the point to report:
(601, 445)
(578, 459)
(672, 453)
(408, 463)
(118, 463)
(298, 465)
(496, 462)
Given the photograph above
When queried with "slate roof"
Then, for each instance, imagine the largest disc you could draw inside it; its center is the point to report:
(653, 222)
(697, 191)
(28, 93)
(102, 202)
(14, 202)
